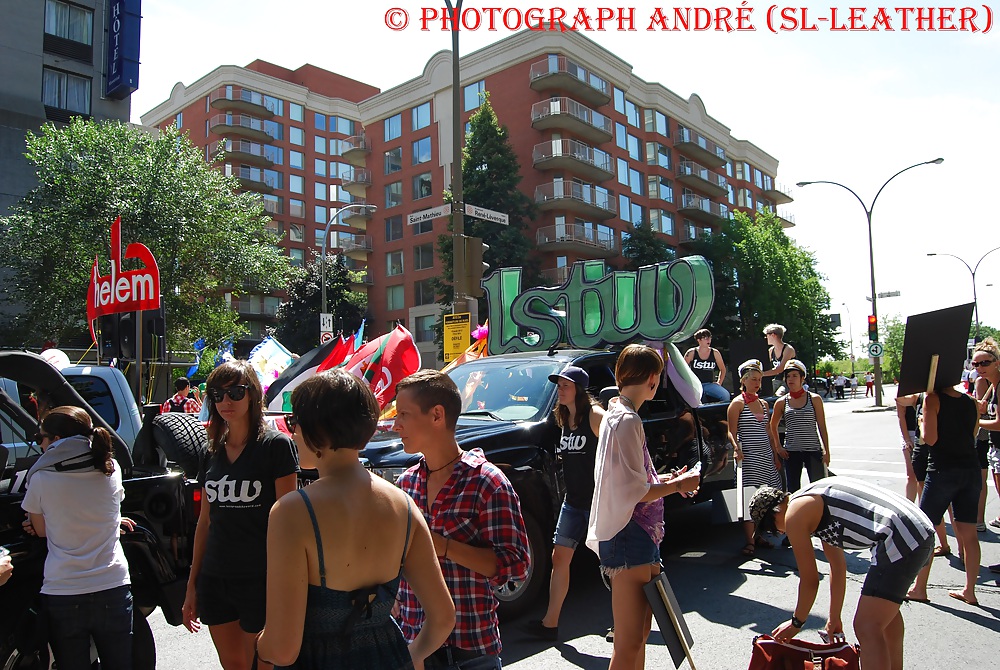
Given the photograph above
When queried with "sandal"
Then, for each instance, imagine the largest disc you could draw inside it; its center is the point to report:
(748, 549)
(995, 523)
(942, 551)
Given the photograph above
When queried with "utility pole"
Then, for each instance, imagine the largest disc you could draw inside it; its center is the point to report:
(460, 302)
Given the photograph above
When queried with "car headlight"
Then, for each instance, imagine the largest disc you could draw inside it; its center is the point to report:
(388, 474)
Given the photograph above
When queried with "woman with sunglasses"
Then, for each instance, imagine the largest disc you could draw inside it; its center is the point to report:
(74, 500)
(247, 468)
(984, 359)
(343, 544)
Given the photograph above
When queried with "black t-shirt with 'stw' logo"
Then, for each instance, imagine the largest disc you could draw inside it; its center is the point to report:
(240, 496)
(578, 450)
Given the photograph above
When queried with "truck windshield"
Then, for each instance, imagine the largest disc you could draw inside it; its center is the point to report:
(517, 391)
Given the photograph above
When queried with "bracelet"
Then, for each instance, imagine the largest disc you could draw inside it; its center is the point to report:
(797, 623)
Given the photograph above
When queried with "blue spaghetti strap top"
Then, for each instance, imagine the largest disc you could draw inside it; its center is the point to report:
(352, 629)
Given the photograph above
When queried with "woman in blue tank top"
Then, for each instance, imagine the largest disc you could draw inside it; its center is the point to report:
(337, 549)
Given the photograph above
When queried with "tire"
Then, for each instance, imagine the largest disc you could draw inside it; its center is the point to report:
(182, 438)
(12, 659)
(517, 597)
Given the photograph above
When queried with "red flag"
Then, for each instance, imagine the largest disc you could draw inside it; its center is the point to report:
(341, 352)
(384, 361)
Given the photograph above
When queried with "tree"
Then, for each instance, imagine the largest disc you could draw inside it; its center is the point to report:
(490, 175)
(645, 247)
(298, 314)
(892, 333)
(207, 238)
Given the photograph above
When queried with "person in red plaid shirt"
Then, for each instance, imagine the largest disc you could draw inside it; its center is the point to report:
(474, 516)
(180, 402)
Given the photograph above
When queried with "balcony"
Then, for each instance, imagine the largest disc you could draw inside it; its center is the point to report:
(583, 199)
(555, 276)
(701, 209)
(356, 247)
(361, 279)
(786, 219)
(699, 147)
(569, 115)
(576, 238)
(701, 178)
(357, 218)
(562, 74)
(356, 181)
(575, 157)
(780, 194)
(273, 207)
(235, 98)
(242, 151)
(239, 124)
(355, 150)
(256, 179)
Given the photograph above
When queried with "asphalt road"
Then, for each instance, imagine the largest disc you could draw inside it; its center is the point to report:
(728, 599)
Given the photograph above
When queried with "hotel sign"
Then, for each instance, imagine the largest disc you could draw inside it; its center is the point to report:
(121, 62)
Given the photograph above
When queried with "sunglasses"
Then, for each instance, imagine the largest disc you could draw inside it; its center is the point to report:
(41, 437)
(291, 422)
(235, 393)
(983, 364)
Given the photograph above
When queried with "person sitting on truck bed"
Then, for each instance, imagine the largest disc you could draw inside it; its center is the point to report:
(474, 516)
(248, 467)
(74, 500)
(183, 400)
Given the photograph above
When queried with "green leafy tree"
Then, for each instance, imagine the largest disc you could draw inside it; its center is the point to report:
(207, 238)
(892, 331)
(644, 246)
(298, 314)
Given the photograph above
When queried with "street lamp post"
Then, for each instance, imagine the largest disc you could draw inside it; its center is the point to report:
(972, 271)
(326, 236)
(459, 304)
(871, 252)
(850, 325)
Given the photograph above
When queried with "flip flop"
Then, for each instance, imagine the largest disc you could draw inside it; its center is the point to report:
(748, 549)
(995, 523)
(959, 596)
(942, 551)
(909, 599)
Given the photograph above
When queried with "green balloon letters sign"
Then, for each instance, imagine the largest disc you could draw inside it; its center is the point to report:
(593, 308)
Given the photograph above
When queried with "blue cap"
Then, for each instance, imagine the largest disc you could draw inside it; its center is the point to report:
(573, 374)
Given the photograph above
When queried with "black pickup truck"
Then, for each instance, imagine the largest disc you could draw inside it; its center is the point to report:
(509, 403)
(158, 497)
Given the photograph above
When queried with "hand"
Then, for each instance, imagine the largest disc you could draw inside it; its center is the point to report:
(834, 630)
(785, 631)
(418, 663)
(685, 481)
(6, 569)
(189, 610)
(781, 452)
(28, 528)
(440, 544)
(738, 455)
(666, 477)
(127, 525)
(777, 463)
(826, 457)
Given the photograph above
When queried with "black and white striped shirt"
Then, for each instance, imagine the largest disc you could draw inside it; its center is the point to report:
(858, 515)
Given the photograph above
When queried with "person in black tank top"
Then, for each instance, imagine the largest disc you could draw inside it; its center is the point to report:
(779, 354)
(707, 364)
(985, 358)
(579, 419)
(339, 548)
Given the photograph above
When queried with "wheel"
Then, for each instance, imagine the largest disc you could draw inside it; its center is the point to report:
(143, 644)
(182, 438)
(11, 658)
(516, 597)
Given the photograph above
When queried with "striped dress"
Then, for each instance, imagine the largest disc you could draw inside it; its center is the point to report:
(858, 515)
(758, 457)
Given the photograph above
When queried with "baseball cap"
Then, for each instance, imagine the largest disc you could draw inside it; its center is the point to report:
(573, 374)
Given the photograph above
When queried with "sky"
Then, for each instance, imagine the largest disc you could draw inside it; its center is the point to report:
(849, 106)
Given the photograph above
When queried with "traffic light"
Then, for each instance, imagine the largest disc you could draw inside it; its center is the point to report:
(475, 268)
(873, 328)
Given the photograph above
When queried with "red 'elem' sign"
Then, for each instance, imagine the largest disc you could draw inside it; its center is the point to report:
(119, 291)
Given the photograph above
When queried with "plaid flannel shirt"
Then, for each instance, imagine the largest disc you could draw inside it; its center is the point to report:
(191, 406)
(476, 506)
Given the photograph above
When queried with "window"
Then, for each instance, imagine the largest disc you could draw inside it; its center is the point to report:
(319, 144)
(274, 129)
(276, 105)
(319, 191)
(336, 147)
(393, 127)
(394, 160)
(744, 198)
(63, 90)
(339, 124)
(473, 95)
(296, 208)
(297, 160)
(632, 113)
(179, 120)
(319, 167)
(423, 293)
(661, 187)
(655, 122)
(422, 187)
(421, 116)
(274, 179)
(422, 151)
(619, 101)
(423, 227)
(297, 257)
(394, 298)
(658, 154)
(296, 184)
(662, 221)
(423, 328)
(423, 256)
(296, 112)
(296, 233)
(630, 211)
(319, 121)
(393, 228)
(394, 263)
(272, 203)
(393, 194)
(629, 176)
(69, 22)
(297, 136)
(319, 214)
(274, 154)
(319, 234)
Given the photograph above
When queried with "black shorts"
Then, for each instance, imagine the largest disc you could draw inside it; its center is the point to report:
(892, 580)
(959, 488)
(227, 599)
(919, 460)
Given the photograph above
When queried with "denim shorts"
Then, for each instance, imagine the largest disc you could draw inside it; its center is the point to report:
(892, 580)
(958, 488)
(994, 458)
(226, 599)
(571, 528)
(630, 548)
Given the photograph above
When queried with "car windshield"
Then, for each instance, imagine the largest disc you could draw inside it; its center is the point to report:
(512, 391)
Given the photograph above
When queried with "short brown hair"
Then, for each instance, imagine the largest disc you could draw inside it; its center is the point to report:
(775, 328)
(431, 388)
(637, 363)
(335, 410)
(702, 334)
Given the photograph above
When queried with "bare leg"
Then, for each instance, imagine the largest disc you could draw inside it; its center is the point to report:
(919, 589)
(912, 485)
(966, 533)
(235, 646)
(631, 616)
(558, 584)
(879, 633)
(981, 519)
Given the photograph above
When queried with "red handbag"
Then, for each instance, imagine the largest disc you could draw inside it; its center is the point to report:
(769, 654)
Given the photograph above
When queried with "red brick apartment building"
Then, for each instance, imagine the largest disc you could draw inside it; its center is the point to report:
(599, 149)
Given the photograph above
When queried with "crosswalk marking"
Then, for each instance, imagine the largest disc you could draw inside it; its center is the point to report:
(867, 473)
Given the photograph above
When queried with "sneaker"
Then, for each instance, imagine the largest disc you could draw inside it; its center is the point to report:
(536, 629)
(981, 527)
(610, 635)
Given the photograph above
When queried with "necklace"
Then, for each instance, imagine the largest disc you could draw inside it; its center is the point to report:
(627, 401)
(451, 462)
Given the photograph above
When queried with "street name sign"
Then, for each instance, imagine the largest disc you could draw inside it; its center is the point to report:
(428, 214)
(486, 214)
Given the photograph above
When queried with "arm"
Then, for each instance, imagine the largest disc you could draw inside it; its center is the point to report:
(801, 512)
(821, 424)
(901, 404)
(281, 640)
(596, 416)
(420, 568)
(190, 607)
(722, 366)
(682, 482)
(478, 559)
(6, 570)
(37, 522)
(838, 588)
(772, 428)
(931, 405)
(733, 421)
(285, 485)
(689, 356)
